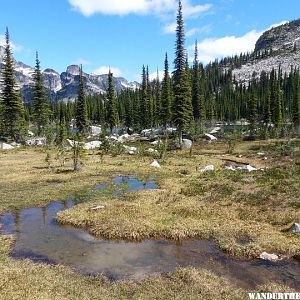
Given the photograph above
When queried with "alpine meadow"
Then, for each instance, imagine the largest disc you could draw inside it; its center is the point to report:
(183, 183)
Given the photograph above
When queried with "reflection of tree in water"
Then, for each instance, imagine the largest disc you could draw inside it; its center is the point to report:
(44, 212)
(17, 222)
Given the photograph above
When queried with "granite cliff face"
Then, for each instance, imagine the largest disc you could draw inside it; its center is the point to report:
(277, 47)
(64, 86)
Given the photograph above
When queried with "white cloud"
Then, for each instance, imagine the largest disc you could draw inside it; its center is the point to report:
(140, 7)
(15, 47)
(190, 11)
(278, 24)
(170, 28)
(210, 49)
(191, 32)
(104, 70)
(153, 75)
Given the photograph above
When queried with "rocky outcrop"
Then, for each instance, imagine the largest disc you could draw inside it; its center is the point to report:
(64, 86)
(277, 47)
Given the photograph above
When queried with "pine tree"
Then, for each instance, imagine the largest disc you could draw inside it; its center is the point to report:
(157, 101)
(40, 104)
(12, 109)
(252, 106)
(145, 97)
(296, 102)
(183, 110)
(112, 112)
(166, 97)
(81, 110)
(196, 94)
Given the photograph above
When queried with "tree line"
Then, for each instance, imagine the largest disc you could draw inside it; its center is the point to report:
(189, 97)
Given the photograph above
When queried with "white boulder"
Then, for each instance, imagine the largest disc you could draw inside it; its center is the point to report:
(210, 137)
(130, 150)
(295, 228)
(215, 130)
(155, 143)
(186, 144)
(155, 164)
(4, 146)
(207, 169)
(123, 138)
(39, 141)
(151, 150)
(269, 256)
(95, 130)
(92, 145)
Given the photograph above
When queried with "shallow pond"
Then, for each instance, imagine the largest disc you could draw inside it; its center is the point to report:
(40, 238)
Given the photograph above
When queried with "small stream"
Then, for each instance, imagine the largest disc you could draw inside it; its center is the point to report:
(40, 238)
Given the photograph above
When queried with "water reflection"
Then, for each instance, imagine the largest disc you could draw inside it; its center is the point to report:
(40, 238)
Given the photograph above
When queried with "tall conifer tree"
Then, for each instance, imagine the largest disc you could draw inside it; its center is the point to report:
(81, 110)
(12, 110)
(183, 111)
(166, 98)
(39, 102)
(112, 112)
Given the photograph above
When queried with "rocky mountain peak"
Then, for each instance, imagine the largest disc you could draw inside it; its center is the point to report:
(73, 70)
(283, 37)
(276, 47)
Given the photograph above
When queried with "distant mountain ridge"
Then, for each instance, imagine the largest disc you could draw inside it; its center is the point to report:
(282, 45)
(64, 86)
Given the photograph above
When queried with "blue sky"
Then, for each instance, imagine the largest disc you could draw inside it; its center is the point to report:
(125, 34)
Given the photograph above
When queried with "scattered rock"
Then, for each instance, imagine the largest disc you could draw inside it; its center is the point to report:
(207, 169)
(123, 138)
(146, 132)
(4, 146)
(30, 133)
(151, 150)
(215, 130)
(233, 166)
(130, 150)
(95, 130)
(92, 145)
(113, 138)
(96, 207)
(41, 141)
(295, 228)
(260, 153)
(186, 144)
(154, 143)
(269, 256)
(210, 137)
(155, 164)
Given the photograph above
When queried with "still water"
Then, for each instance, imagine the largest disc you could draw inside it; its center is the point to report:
(40, 238)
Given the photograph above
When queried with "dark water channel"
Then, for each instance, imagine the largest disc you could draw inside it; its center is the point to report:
(40, 238)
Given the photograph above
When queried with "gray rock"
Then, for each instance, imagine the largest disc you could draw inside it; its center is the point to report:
(269, 256)
(186, 144)
(4, 146)
(95, 130)
(295, 228)
(39, 141)
(208, 168)
(155, 164)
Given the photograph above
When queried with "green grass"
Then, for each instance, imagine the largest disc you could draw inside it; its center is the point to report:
(244, 213)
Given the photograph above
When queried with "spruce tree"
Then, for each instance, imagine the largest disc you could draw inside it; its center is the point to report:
(39, 101)
(296, 102)
(196, 95)
(12, 109)
(183, 111)
(157, 101)
(81, 110)
(112, 112)
(166, 97)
